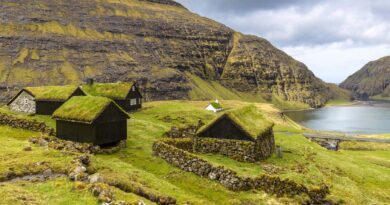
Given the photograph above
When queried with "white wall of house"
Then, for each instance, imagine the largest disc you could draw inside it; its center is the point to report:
(23, 103)
(211, 108)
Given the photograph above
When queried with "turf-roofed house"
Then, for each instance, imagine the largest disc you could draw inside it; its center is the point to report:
(243, 124)
(91, 119)
(126, 95)
(43, 100)
(214, 106)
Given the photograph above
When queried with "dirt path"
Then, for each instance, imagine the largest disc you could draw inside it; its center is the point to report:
(347, 138)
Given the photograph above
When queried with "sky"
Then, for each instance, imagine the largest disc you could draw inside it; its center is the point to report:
(334, 38)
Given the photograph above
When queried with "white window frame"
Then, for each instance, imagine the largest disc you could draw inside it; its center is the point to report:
(133, 101)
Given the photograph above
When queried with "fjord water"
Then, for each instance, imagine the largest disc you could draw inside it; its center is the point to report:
(364, 118)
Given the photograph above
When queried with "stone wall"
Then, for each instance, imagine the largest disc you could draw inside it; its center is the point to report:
(184, 132)
(230, 179)
(240, 150)
(245, 151)
(265, 145)
(236, 149)
(32, 125)
(23, 103)
(186, 144)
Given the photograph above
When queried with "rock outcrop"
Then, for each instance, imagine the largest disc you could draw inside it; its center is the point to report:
(373, 79)
(156, 42)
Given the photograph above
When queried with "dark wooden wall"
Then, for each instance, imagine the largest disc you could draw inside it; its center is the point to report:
(224, 128)
(74, 131)
(47, 107)
(96, 133)
(110, 132)
(109, 127)
(125, 104)
(78, 92)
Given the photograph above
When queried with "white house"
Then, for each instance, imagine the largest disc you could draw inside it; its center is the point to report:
(214, 106)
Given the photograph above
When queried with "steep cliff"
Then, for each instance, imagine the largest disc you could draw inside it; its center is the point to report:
(372, 80)
(157, 42)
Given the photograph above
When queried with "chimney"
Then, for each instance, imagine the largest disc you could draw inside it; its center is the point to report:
(89, 81)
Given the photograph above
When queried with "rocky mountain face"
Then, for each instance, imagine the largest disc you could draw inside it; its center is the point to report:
(156, 42)
(372, 80)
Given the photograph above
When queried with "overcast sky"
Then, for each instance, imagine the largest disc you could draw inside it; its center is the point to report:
(334, 38)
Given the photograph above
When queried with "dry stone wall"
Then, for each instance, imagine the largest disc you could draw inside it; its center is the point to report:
(32, 125)
(245, 151)
(236, 149)
(265, 145)
(23, 103)
(167, 150)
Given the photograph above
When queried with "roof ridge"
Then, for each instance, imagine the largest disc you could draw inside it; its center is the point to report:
(108, 104)
(79, 109)
(101, 111)
(248, 119)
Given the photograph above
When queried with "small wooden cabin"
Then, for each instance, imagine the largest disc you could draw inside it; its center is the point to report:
(91, 119)
(246, 123)
(42, 100)
(126, 95)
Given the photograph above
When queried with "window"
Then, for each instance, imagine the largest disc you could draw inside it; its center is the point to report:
(133, 101)
(133, 88)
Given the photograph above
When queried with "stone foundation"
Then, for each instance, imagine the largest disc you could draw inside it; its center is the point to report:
(239, 150)
(265, 145)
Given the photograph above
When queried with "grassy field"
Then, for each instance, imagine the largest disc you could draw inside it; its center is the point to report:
(339, 102)
(354, 177)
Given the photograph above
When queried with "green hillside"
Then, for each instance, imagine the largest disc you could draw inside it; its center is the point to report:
(364, 173)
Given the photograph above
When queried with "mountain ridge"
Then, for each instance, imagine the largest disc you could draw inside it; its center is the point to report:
(152, 41)
(373, 79)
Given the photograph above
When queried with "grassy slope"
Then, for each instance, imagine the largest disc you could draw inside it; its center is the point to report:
(338, 96)
(57, 191)
(365, 174)
(210, 90)
(350, 145)
(338, 102)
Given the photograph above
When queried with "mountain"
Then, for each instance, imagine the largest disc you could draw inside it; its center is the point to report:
(372, 80)
(170, 51)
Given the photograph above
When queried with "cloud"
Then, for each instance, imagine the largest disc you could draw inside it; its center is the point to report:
(357, 30)
(335, 62)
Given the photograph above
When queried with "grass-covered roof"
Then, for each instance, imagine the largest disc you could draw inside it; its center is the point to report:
(83, 108)
(117, 91)
(249, 119)
(216, 105)
(52, 93)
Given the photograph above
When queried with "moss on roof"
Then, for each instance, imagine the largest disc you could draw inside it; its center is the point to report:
(83, 108)
(248, 118)
(216, 105)
(117, 91)
(52, 93)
